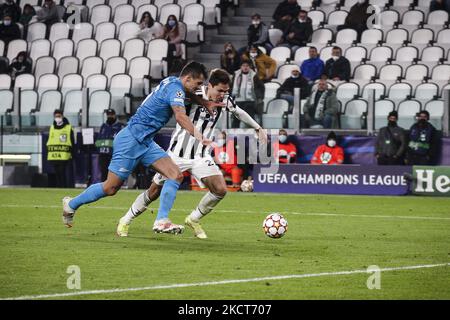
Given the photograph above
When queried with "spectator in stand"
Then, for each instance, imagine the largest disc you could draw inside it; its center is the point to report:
(230, 59)
(248, 91)
(312, 68)
(337, 68)
(27, 14)
(225, 156)
(285, 12)
(321, 108)
(440, 5)
(60, 145)
(357, 17)
(172, 33)
(423, 141)
(391, 142)
(48, 14)
(329, 153)
(296, 80)
(264, 65)
(149, 30)
(9, 30)
(298, 33)
(104, 142)
(258, 34)
(20, 65)
(11, 9)
(287, 151)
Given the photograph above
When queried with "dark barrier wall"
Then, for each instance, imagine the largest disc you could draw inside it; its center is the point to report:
(358, 150)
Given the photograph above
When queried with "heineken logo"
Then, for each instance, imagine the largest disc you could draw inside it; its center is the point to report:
(431, 180)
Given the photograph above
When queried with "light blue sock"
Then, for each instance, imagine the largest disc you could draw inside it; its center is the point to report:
(91, 194)
(168, 195)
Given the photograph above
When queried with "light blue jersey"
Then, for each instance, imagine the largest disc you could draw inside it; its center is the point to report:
(156, 110)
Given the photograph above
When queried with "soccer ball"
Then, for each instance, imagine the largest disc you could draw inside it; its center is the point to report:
(247, 186)
(275, 225)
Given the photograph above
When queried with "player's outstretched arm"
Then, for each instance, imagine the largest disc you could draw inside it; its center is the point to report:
(247, 119)
(186, 123)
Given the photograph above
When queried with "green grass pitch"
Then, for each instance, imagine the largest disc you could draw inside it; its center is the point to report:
(327, 234)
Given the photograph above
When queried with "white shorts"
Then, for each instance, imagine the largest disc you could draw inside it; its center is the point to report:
(200, 168)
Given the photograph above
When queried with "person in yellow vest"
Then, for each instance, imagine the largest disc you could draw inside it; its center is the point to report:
(59, 147)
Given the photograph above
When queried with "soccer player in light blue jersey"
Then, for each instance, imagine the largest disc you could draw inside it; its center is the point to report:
(134, 145)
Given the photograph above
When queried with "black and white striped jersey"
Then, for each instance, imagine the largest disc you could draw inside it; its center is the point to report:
(182, 144)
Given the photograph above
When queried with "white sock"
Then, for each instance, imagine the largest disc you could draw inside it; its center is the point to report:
(139, 205)
(205, 206)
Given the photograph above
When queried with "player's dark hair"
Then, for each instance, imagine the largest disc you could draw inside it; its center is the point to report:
(219, 76)
(194, 69)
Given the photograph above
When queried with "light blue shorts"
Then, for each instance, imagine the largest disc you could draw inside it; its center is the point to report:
(128, 153)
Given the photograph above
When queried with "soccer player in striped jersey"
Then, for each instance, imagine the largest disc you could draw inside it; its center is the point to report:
(189, 155)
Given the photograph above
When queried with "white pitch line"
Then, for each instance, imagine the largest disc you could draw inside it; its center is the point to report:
(223, 282)
(246, 211)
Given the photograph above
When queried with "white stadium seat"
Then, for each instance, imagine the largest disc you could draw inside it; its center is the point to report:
(5, 81)
(109, 48)
(91, 65)
(50, 101)
(105, 30)
(73, 103)
(390, 72)
(62, 48)
(365, 72)
(81, 31)
(354, 109)
(96, 82)
(272, 118)
(280, 54)
(270, 92)
(371, 36)
(47, 82)
(59, 30)
(133, 48)
(275, 36)
(152, 9)
(36, 31)
(432, 54)
(39, 48)
(71, 82)
(193, 17)
(67, 65)
(14, 47)
(382, 109)
(113, 66)
(212, 13)
(99, 14)
(345, 92)
(438, 17)
(157, 52)
(86, 48)
(168, 9)
(422, 36)
(138, 68)
(397, 36)
(346, 36)
(123, 13)
(380, 54)
(436, 110)
(406, 54)
(321, 36)
(380, 90)
(44, 65)
(99, 101)
(128, 30)
(407, 113)
(416, 72)
(120, 85)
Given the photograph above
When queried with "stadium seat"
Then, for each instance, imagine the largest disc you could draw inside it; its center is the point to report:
(284, 72)
(14, 47)
(120, 85)
(337, 18)
(127, 30)
(396, 36)
(86, 48)
(24, 81)
(91, 65)
(184, 3)
(388, 18)
(273, 117)
(443, 36)
(59, 30)
(345, 92)
(96, 82)
(380, 54)
(44, 65)
(212, 13)
(6, 102)
(71, 82)
(346, 36)
(438, 17)
(138, 68)
(407, 110)
(73, 103)
(28, 102)
(92, 3)
(160, 3)
(2, 47)
(416, 72)
(67, 65)
(138, 3)
(99, 14)
(441, 72)
(406, 54)
(301, 54)
(123, 13)
(352, 117)
(113, 66)
(371, 36)
(399, 92)
(48, 81)
(105, 30)
(280, 55)
(270, 92)
(321, 36)
(425, 92)
(193, 18)
(326, 53)
(382, 109)
(356, 54)
(317, 17)
(275, 36)
(82, 31)
(436, 110)
(99, 101)
(5, 81)
(109, 48)
(390, 72)
(36, 31)
(413, 17)
(50, 101)
(432, 54)
(133, 48)
(364, 72)
(62, 48)
(157, 53)
(39, 48)
(168, 9)
(402, 3)
(422, 36)
(380, 90)
(116, 3)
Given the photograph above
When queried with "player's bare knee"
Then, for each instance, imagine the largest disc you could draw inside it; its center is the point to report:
(111, 190)
(220, 192)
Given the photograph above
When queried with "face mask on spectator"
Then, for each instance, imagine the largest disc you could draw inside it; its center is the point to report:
(172, 23)
(301, 20)
(392, 123)
(220, 142)
(295, 75)
(59, 121)
(255, 23)
(334, 57)
(253, 54)
(282, 138)
(361, 1)
(422, 122)
(331, 143)
(228, 50)
(20, 59)
(110, 120)
(7, 22)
